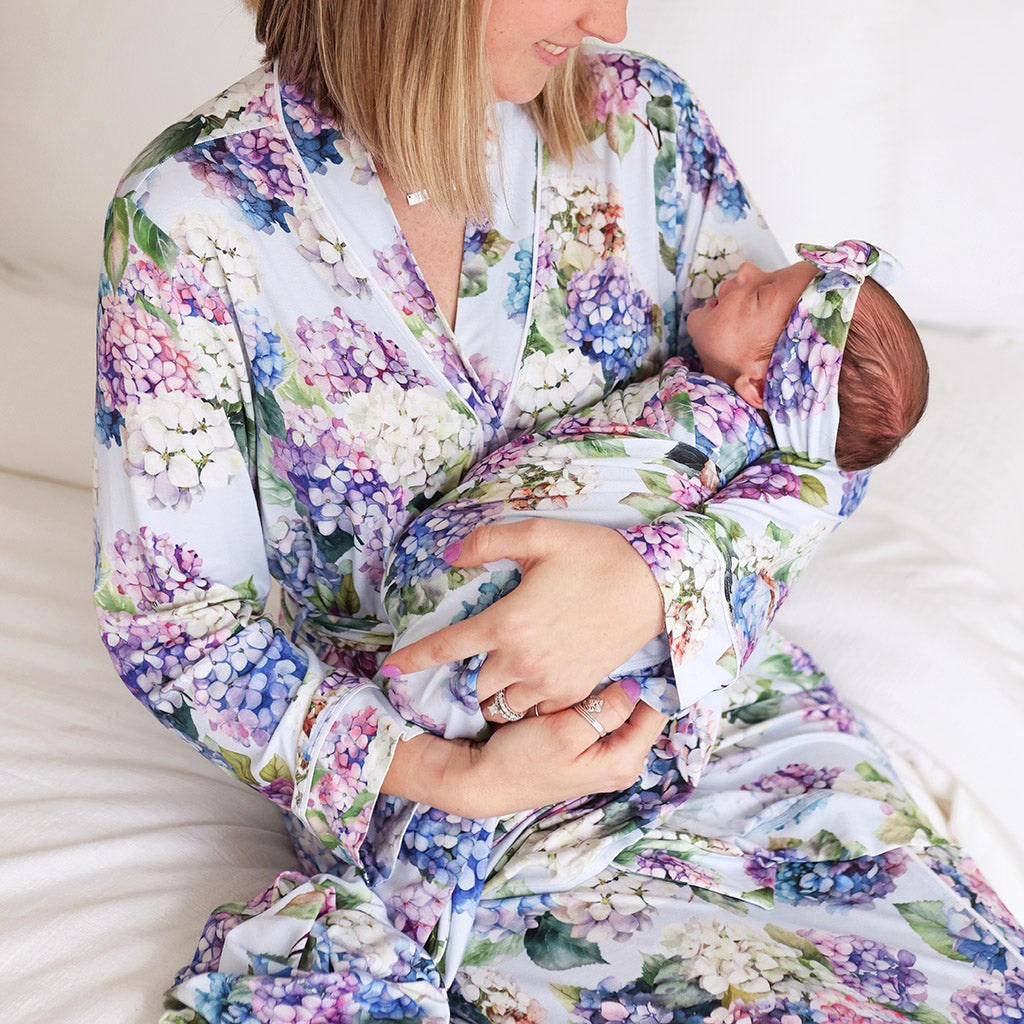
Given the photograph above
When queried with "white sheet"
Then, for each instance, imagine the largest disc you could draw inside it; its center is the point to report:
(118, 839)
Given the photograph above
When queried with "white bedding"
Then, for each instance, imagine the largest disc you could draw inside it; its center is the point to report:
(118, 839)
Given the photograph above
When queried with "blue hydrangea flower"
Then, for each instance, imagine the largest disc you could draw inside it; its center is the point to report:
(839, 884)
(854, 487)
(517, 300)
(609, 320)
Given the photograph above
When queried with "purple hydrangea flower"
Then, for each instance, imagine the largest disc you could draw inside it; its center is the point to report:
(873, 970)
(995, 999)
(608, 319)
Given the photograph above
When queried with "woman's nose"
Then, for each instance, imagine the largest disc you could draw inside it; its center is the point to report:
(605, 19)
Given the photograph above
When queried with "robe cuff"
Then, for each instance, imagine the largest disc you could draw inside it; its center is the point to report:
(342, 769)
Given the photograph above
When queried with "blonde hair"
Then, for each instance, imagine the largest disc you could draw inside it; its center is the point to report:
(410, 78)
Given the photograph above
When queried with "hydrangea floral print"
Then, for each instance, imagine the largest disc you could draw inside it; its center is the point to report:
(280, 404)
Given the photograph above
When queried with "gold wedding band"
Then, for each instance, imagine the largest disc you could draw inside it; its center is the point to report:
(584, 709)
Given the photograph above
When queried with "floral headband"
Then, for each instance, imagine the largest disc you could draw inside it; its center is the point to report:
(801, 394)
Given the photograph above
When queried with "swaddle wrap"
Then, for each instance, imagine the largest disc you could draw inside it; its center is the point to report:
(801, 395)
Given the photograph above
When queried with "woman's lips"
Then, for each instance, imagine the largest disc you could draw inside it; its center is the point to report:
(551, 53)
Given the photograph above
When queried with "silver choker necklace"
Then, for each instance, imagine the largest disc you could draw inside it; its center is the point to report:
(415, 198)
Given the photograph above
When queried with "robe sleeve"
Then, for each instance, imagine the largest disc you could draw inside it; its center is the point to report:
(182, 578)
(724, 568)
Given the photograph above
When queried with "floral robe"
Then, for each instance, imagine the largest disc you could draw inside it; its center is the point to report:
(278, 396)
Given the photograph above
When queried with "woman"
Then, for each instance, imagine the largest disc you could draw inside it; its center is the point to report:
(327, 294)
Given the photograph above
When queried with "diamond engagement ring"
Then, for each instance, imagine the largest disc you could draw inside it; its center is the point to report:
(500, 707)
(587, 709)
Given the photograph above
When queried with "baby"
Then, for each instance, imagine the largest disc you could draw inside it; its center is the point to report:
(814, 364)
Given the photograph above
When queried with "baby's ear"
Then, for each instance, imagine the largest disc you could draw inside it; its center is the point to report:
(751, 389)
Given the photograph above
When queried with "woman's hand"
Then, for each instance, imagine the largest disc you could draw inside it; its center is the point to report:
(530, 763)
(586, 602)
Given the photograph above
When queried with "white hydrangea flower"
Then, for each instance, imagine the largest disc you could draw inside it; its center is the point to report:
(550, 384)
(755, 554)
(612, 909)
(221, 608)
(743, 959)
(232, 101)
(414, 437)
(226, 256)
(320, 244)
(177, 447)
(216, 354)
(498, 997)
(358, 158)
(806, 543)
(375, 940)
(717, 257)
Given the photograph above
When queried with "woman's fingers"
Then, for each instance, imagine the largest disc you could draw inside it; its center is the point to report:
(521, 541)
(453, 643)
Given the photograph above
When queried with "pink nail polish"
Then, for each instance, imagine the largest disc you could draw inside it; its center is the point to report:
(390, 671)
(631, 688)
(452, 551)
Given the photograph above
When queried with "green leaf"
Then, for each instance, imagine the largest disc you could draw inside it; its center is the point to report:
(240, 764)
(155, 243)
(597, 446)
(180, 720)
(170, 141)
(800, 459)
(652, 967)
(656, 483)
(536, 342)
(626, 133)
(923, 1014)
(650, 506)
(483, 951)
(662, 114)
(550, 315)
(869, 773)
(812, 490)
(898, 829)
(763, 709)
(473, 279)
(928, 920)
(680, 408)
(808, 951)
(160, 314)
(348, 599)
(551, 945)
(115, 240)
(567, 995)
(719, 899)
(495, 246)
(333, 546)
(304, 395)
(273, 489)
(668, 254)
(270, 415)
(110, 600)
(275, 768)
(247, 591)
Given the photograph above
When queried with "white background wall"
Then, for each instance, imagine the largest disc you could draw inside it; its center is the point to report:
(896, 120)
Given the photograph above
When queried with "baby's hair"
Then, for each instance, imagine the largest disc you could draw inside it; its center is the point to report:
(883, 380)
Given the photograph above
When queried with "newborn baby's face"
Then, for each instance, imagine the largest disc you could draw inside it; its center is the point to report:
(735, 332)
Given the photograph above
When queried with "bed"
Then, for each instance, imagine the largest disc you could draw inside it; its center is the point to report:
(118, 840)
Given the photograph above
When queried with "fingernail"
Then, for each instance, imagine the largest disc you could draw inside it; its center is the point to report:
(631, 688)
(451, 552)
(390, 671)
